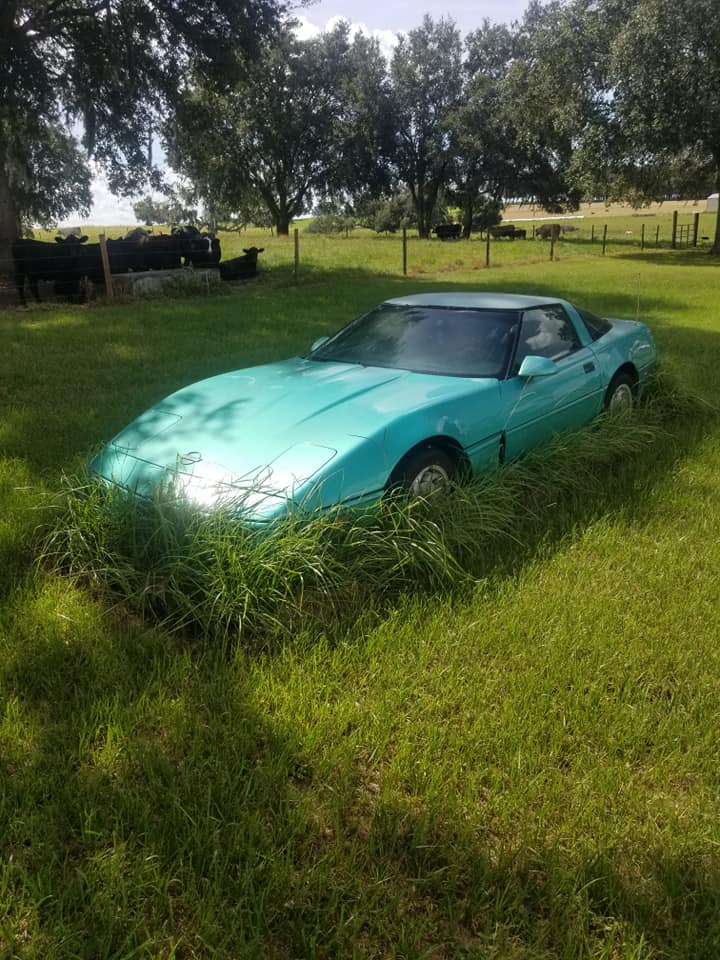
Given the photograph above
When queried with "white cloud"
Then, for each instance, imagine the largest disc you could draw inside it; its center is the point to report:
(108, 209)
(387, 39)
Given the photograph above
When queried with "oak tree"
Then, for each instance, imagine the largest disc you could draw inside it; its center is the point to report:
(103, 72)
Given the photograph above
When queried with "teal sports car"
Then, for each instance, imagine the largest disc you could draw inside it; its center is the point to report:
(420, 390)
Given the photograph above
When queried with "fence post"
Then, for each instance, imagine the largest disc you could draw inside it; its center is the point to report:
(604, 238)
(592, 234)
(404, 251)
(674, 229)
(297, 251)
(106, 267)
(696, 227)
(642, 237)
(533, 236)
(657, 235)
(487, 248)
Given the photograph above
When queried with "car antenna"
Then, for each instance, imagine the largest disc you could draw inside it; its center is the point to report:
(637, 308)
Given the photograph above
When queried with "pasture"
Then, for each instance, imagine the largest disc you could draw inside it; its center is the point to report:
(522, 769)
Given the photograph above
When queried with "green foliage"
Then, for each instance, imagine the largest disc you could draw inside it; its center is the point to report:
(674, 119)
(426, 83)
(331, 223)
(44, 170)
(387, 215)
(150, 211)
(300, 126)
(486, 213)
(114, 68)
(617, 93)
(486, 165)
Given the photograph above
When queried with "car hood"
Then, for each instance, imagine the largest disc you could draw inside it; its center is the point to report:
(272, 427)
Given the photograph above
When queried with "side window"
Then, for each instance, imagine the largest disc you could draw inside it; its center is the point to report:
(545, 332)
(596, 326)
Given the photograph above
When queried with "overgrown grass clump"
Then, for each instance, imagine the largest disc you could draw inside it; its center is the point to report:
(211, 573)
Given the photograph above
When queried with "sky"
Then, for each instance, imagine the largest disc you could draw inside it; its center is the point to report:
(378, 17)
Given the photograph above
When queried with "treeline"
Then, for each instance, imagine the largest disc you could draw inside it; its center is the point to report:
(586, 99)
(579, 99)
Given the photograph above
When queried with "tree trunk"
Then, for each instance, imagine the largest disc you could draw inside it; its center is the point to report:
(715, 249)
(9, 223)
(431, 203)
(282, 224)
(467, 216)
(423, 227)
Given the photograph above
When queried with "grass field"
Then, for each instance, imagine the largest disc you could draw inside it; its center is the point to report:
(525, 767)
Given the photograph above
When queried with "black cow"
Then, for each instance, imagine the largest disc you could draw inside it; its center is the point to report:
(35, 260)
(204, 247)
(140, 251)
(166, 251)
(448, 231)
(241, 268)
(509, 231)
(71, 260)
(548, 230)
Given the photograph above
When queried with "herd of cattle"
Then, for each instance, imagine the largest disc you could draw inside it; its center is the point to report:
(453, 231)
(72, 264)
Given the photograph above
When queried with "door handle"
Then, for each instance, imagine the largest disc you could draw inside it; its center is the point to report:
(588, 367)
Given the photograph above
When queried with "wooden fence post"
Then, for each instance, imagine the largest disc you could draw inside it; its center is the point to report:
(657, 235)
(674, 229)
(592, 234)
(604, 238)
(696, 227)
(297, 251)
(642, 237)
(404, 251)
(487, 248)
(106, 267)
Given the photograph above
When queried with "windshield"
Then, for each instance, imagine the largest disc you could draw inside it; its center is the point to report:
(449, 341)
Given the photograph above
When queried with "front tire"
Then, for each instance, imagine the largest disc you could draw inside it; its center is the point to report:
(620, 394)
(424, 472)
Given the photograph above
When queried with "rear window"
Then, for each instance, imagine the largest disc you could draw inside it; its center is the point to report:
(596, 326)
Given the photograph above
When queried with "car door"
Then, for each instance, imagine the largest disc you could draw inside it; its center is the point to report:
(539, 407)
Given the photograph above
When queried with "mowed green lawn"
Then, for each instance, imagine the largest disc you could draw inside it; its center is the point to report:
(526, 770)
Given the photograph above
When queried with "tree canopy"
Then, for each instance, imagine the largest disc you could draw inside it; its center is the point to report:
(624, 94)
(579, 99)
(305, 123)
(88, 80)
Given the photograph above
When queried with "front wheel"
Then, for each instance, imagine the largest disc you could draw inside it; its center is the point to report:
(620, 395)
(424, 472)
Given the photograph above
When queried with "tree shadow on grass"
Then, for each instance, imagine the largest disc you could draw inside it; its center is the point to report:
(152, 807)
(691, 257)
(483, 895)
(147, 804)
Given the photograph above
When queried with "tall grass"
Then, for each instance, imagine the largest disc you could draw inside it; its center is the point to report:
(210, 573)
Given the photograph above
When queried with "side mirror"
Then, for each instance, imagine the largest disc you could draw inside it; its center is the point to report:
(537, 367)
(318, 343)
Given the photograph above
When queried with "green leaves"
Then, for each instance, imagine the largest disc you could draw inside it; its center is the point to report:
(304, 124)
(114, 67)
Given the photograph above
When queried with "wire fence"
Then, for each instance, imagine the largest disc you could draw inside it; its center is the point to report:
(523, 240)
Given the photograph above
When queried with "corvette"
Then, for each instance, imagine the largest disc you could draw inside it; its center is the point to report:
(419, 390)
